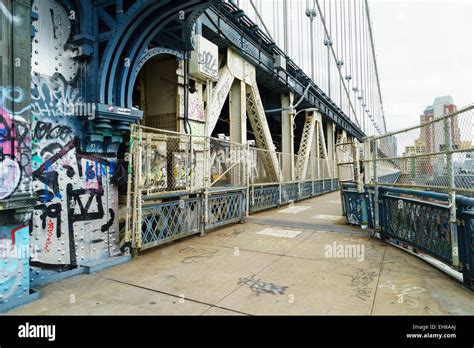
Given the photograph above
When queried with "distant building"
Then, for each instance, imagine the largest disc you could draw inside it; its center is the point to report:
(433, 135)
(442, 106)
(427, 134)
(432, 139)
(466, 144)
(392, 143)
(415, 166)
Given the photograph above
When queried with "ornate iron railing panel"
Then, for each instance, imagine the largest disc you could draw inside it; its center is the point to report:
(466, 243)
(327, 185)
(420, 224)
(164, 222)
(306, 189)
(224, 208)
(289, 192)
(317, 187)
(264, 197)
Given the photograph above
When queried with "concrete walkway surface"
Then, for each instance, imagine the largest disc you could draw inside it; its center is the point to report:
(296, 260)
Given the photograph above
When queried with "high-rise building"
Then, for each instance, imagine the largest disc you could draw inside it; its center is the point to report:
(427, 132)
(392, 142)
(442, 106)
(433, 136)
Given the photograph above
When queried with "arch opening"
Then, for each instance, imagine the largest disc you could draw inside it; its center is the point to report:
(155, 92)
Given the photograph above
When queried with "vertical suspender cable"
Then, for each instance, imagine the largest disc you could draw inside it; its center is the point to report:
(329, 35)
(257, 13)
(285, 27)
(356, 60)
(334, 55)
(344, 30)
(351, 56)
(382, 114)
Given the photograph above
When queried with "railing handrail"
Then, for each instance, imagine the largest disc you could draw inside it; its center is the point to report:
(436, 120)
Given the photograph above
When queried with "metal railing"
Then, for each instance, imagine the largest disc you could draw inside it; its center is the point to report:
(420, 195)
(182, 184)
(436, 155)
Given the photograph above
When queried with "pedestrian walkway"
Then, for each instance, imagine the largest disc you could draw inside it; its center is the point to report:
(296, 260)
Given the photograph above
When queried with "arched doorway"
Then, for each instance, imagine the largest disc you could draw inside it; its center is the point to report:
(156, 91)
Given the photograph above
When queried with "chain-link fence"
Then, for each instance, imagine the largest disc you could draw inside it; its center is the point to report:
(417, 186)
(293, 168)
(165, 160)
(227, 163)
(168, 162)
(180, 179)
(437, 155)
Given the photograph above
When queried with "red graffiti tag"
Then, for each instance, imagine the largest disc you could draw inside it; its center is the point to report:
(50, 236)
(14, 231)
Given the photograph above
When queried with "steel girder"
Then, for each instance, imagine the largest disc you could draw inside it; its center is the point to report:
(130, 37)
(219, 95)
(323, 153)
(263, 137)
(235, 29)
(305, 146)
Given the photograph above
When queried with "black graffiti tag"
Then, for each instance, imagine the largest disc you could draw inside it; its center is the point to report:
(208, 62)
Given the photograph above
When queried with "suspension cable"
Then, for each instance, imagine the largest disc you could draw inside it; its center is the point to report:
(334, 56)
(261, 20)
(375, 64)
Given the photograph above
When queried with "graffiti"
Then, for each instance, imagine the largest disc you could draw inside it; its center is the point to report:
(200, 254)
(373, 257)
(10, 176)
(75, 218)
(49, 236)
(15, 170)
(261, 287)
(404, 292)
(361, 282)
(155, 166)
(46, 130)
(196, 108)
(53, 97)
(99, 168)
(14, 257)
(52, 211)
(180, 164)
(12, 95)
(208, 63)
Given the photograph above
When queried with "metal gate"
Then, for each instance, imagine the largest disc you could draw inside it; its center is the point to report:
(182, 184)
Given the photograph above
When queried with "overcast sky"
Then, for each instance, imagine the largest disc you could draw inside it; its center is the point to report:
(425, 50)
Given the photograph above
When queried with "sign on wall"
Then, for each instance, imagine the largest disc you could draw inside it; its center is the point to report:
(204, 61)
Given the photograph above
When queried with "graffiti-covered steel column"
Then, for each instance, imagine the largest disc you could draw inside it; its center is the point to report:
(76, 169)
